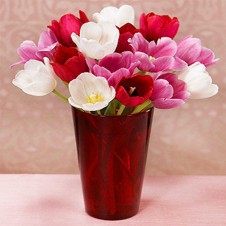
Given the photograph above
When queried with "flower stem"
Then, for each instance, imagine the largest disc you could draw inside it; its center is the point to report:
(66, 84)
(121, 109)
(141, 107)
(60, 95)
(107, 111)
(110, 110)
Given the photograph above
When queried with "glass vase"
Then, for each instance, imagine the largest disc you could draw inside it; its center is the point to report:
(112, 152)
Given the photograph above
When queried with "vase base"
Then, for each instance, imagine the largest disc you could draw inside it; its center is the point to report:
(117, 216)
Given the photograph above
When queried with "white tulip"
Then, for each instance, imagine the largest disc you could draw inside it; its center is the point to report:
(199, 82)
(36, 79)
(97, 40)
(90, 93)
(117, 16)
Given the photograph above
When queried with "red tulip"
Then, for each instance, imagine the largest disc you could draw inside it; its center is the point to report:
(135, 90)
(156, 26)
(68, 23)
(68, 63)
(126, 31)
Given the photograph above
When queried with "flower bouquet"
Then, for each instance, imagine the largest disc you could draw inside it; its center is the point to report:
(116, 74)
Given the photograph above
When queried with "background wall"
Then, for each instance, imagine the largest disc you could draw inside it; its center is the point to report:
(36, 134)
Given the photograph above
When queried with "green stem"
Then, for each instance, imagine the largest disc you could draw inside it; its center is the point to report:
(107, 110)
(110, 110)
(121, 109)
(66, 84)
(60, 95)
(141, 107)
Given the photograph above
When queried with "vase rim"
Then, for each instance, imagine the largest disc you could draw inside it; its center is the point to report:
(112, 116)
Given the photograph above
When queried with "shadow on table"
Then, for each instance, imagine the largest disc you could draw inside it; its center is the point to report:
(144, 204)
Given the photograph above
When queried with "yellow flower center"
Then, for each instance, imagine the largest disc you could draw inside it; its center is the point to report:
(151, 58)
(94, 98)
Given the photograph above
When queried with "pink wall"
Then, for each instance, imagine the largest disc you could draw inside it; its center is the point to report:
(36, 134)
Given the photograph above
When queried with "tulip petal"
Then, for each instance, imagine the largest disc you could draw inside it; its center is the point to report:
(126, 15)
(91, 31)
(145, 63)
(113, 62)
(211, 91)
(75, 39)
(117, 76)
(39, 88)
(46, 39)
(69, 23)
(179, 64)
(63, 73)
(107, 14)
(189, 49)
(73, 103)
(91, 63)
(95, 107)
(101, 71)
(22, 78)
(125, 99)
(207, 57)
(164, 47)
(162, 89)
(27, 50)
(119, 17)
(163, 64)
(34, 65)
(78, 92)
(140, 44)
(199, 82)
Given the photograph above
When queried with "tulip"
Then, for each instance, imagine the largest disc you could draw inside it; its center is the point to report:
(36, 79)
(68, 63)
(169, 91)
(46, 44)
(135, 90)
(90, 93)
(117, 16)
(97, 40)
(114, 67)
(126, 32)
(156, 57)
(68, 24)
(28, 50)
(156, 26)
(199, 82)
(190, 50)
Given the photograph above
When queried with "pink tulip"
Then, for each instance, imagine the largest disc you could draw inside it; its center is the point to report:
(114, 67)
(190, 50)
(169, 91)
(28, 50)
(46, 44)
(156, 57)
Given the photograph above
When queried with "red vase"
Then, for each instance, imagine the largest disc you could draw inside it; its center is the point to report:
(112, 152)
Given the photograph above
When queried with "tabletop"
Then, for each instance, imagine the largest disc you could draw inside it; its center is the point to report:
(56, 200)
